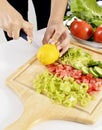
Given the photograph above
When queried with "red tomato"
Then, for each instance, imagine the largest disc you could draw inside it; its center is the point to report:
(98, 34)
(81, 29)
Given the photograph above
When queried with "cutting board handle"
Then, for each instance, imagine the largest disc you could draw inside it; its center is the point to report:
(34, 110)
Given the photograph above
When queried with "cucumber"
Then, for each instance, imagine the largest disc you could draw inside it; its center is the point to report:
(91, 70)
(95, 63)
(100, 64)
(98, 70)
(84, 70)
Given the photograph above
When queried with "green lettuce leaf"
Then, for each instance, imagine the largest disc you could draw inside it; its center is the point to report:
(87, 10)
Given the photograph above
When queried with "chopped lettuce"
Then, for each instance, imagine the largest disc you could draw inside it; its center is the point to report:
(62, 91)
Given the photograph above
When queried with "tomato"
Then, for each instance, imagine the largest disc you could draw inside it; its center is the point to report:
(98, 34)
(81, 29)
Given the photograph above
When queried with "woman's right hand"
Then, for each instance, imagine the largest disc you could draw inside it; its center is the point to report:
(12, 22)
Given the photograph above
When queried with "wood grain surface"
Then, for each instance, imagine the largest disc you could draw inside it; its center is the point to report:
(38, 107)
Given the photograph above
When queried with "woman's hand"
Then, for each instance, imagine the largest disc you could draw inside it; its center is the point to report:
(57, 33)
(12, 22)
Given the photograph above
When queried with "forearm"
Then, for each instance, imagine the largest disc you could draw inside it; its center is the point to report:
(58, 8)
(3, 5)
(3, 2)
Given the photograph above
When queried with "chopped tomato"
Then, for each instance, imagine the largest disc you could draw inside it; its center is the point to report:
(66, 70)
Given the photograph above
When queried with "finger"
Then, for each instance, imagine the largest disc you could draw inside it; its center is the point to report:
(63, 50)
(64, 43)
(9, 33)
(63, 47)
(15, 30)
(16, 33)
(28, 29)
(7, 29)
(48, 34)
(55, 37)
(59, 34)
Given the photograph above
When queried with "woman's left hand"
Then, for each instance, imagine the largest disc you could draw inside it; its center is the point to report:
(57, 33)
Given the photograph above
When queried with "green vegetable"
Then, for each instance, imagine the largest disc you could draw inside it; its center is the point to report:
(87, 10)
(85, 70)
(77, 58)
(62, 91)
(94, 63)
(91, 70)
(98, 70)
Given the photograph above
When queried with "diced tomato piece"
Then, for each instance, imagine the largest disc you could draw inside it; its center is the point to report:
(76, 73)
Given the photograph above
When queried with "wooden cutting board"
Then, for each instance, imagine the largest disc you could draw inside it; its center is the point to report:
(38, 107)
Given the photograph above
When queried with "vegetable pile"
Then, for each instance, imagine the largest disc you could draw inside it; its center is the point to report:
(87, 10)
(83, 61)
(91, 15)
(62, 71)
(63, 91)
(72, 79)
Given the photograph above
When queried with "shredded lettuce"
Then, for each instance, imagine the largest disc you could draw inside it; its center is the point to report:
(76, 57)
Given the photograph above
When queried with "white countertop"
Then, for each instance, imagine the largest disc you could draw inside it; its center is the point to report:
(13, 54)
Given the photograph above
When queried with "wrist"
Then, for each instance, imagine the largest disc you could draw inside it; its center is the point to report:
(55, 21)
(3, 1)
